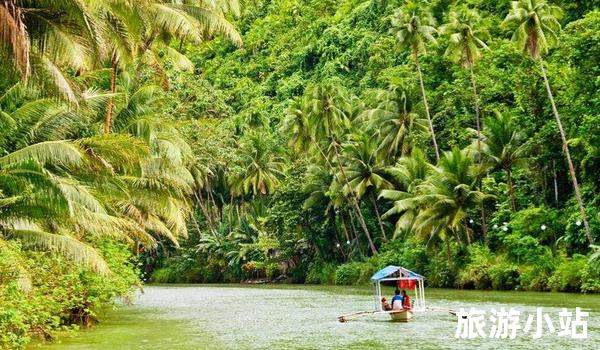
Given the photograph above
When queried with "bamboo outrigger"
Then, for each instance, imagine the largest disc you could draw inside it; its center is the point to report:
(405, 279)
(402, 276)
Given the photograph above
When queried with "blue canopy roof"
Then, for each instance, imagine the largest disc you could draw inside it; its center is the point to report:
(394, 271)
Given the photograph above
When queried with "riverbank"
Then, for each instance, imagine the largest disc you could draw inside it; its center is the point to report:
(236, 316)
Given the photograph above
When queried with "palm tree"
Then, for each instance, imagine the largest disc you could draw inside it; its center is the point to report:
(296, 126)
(46, 205)
(43, 38)
(260, 166)
(413, 28)
(137, 32)
(447, 196)
(366, 175)
(394, 120)
(466, 43)
(537, 26)
(503, 146)
(410, 173)
(327, 108)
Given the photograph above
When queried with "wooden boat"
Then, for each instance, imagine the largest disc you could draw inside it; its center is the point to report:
(400, 315)
(400, 276)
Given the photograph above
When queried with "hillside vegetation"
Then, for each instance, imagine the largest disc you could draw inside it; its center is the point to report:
(306, 141)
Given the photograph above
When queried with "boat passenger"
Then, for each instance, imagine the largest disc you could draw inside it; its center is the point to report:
(406, 304)
(397, 300)
(385, 305)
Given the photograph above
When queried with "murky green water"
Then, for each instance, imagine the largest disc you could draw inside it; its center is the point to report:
(304, 317)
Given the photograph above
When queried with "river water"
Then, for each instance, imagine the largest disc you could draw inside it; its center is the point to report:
(305, 317)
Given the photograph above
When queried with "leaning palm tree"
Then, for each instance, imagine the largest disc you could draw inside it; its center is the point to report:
(41, 39)
(413, 28)
(466, 44)
(537, 27)
(503, 146)
(365, 173)
(141, 32)
(327, 108)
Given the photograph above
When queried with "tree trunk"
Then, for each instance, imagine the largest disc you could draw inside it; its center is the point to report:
(479, 157)
(467, 231)
(511, 190)
(448, 251)
(354, 200)
(568, 156)
(435, 145)
(205, 212)
(355, 235)
(108, 121)
(374, 201)
(345, 228)
(555, 183)
(230, 213)
(213, 208)
(477, 113)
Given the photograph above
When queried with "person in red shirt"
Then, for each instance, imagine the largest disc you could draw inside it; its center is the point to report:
(406, 301)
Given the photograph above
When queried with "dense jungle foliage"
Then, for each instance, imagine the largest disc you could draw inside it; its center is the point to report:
(321, 139)
(306, 141)
(93, 169)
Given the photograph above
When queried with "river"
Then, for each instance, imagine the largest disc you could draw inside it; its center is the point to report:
(304, 317)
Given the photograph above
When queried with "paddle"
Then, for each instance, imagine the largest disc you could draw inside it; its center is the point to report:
(450, 311)
(349, 317)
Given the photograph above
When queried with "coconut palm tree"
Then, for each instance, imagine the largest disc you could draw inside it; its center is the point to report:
(504, 146)
(40, 39)
(139, 31)
(447, 196)
(467, 36)
(394, 121)
(410, 172)
(296, 126)
(327, 108)
(365, 173)
(537, 27)
(413, 28)
(46, 205)
(260, 166)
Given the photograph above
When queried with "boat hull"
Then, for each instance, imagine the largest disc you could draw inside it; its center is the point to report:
(400, 315)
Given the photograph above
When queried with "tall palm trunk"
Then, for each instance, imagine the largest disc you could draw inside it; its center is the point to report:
(108, 121)
(511, 190)
(352, 225)
(435, 145)
(567, 155)
(555, 181)
(207, 215)
(448, 250)
(374, 201)
(479, 158)
(353, 199)
(477, 112)
(343, 220)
